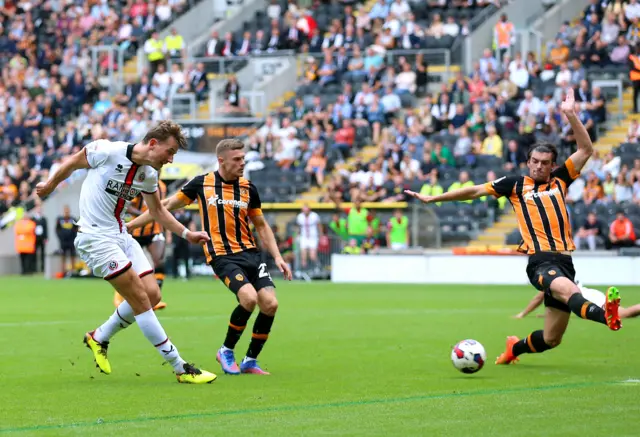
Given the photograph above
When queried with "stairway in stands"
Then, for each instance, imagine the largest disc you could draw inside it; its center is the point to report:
(495, 236)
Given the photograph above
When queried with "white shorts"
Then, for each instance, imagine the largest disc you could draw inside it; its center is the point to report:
(594, 296)
(308, 243)
(110, 255)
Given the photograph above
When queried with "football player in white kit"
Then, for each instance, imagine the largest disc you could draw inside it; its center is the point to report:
(591, 294)
(117, 173)
(309, 224)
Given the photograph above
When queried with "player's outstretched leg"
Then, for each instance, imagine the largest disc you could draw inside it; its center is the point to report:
(140, 294)
(248, 299)
(268, 305)
(585, 309)
(555, 325)
(98, 340)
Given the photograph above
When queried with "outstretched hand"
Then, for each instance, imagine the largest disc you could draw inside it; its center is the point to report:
(420, 197)
(568, 106)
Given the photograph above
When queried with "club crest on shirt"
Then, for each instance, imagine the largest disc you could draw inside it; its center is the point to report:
(141, 177)
(113, 265)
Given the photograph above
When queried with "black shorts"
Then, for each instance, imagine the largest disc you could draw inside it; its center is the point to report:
(543, 268)
(68, 248)
(242, 268)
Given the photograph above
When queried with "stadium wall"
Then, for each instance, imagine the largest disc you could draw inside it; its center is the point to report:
(444, 268)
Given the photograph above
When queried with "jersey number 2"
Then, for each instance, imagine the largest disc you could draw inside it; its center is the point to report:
(262, 271)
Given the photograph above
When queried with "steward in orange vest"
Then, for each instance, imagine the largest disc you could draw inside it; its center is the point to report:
(25, 243)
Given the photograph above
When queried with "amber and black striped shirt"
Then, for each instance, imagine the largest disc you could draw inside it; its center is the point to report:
(541, 209)
(152, 228)
(225, 208)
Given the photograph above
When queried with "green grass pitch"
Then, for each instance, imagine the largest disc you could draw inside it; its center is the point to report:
(345, 360)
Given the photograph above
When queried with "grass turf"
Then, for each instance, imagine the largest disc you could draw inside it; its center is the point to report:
(346, 360)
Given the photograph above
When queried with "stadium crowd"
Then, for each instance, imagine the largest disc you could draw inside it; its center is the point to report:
(51, 103)
(354, 92)
(476, 127)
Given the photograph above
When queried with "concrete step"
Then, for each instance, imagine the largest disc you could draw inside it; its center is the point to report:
(490, 239)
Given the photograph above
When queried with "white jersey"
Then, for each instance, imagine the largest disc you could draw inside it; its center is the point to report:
(113, 181)
(308, 225)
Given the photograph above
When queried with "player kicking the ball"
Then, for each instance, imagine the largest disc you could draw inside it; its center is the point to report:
(539, 202)
(591, 294)
(227, 203)
(117, 173)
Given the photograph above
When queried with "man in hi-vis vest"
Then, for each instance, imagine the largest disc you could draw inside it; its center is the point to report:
(634, 76)
(25, 244)
(154, 49)
(398, 231)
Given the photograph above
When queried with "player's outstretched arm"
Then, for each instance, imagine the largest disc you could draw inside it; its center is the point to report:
(269, 241)
(161, 214)
(585, 145)
(171, 203)
(535, 303)
(467, 193)
(75, 162)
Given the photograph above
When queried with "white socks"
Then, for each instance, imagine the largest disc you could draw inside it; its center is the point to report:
(121, 319)
(154, 332)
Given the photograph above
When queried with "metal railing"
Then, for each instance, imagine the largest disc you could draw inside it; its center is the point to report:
(115, 66)
(183, 105)
(526, 41)
(429, 57)
(256, 99)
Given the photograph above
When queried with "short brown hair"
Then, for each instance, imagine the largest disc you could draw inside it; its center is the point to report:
(165, 130)
(229, 144)
(543, 148)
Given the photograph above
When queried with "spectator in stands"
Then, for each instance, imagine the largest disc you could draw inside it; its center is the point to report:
(623, 191)
(560, 53)
(442, 156)
(593, 192)
(316, 166)
(462, 182)
(590, 229)
(492, 144)
(515, 157)
(608, 188)
(621, 232)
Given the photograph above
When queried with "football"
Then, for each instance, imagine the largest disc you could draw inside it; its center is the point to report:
(468, 356)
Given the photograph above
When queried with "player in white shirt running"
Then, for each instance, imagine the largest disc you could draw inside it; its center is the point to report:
(309, 224)
(117, 173)
(591, 294)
